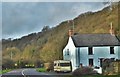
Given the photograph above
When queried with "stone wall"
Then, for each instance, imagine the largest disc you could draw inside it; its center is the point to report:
(113, 68)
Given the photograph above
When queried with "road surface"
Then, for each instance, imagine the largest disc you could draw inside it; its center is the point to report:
(32, 73)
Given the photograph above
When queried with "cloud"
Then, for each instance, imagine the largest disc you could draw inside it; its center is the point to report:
(0, 20)
(21, 18)
(54, 0)
(59, 0)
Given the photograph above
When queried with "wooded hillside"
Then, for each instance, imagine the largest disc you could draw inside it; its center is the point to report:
(47, 45)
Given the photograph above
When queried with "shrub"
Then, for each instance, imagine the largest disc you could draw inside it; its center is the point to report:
(4, 71)
(84, 71)
(41, 70)
(48, 66)
(7, 63)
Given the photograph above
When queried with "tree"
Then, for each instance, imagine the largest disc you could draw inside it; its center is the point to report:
(13, 53)
(7, 63)
(45, 28)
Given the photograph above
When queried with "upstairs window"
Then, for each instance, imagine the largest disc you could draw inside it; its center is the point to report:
(90, 51)
(112, 50)
(68, 53)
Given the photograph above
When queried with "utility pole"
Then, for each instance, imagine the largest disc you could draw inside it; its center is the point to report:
(110, 5)
(73, 24)
(11, 55)
(111, 24)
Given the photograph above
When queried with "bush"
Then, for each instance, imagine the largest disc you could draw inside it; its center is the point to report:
(41, 70)
(4, 71)
(84, 71)
(7, 64)
(48, 66)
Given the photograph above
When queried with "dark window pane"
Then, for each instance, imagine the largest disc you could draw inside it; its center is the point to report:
(64, 64)
(91, 62)
(90, 51)
(67, 51)
(111, 50)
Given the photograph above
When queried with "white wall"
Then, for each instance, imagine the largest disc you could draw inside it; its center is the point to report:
(72, 56)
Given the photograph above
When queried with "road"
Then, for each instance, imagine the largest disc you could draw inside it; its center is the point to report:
(30, 72)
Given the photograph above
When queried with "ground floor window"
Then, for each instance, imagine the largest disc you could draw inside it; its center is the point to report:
(91, 63)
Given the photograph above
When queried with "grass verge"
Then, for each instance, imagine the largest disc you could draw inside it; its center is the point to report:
(41, 69)
(5, 71)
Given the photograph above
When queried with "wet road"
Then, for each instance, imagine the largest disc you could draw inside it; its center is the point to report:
(32, 73)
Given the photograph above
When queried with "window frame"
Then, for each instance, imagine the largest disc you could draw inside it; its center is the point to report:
(67, 52)
(92, 60)
(112, 51)
(90, 50)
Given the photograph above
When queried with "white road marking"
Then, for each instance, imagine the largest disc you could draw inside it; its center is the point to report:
(23, 72)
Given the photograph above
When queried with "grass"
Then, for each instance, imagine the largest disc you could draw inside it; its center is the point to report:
(41, 69)
(4, 71)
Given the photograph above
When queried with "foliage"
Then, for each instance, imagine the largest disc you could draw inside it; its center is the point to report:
(7, 64)
(12, 52)
(111, 67)
(45, 28)
(38, 63)
(106, 63)
(5, 71)
(48, 66)
(47, 45)
(84, 71)
(41, 69)
(93, 76)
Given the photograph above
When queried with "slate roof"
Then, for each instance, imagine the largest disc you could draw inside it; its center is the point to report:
(95, 40)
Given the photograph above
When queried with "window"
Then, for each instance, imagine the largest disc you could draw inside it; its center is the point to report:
(91, 62)
(64, 64)
(90, 51)
(67, 51)
(55, 64)
(112, 50)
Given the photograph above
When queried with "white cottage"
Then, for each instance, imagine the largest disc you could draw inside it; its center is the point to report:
(91, 49)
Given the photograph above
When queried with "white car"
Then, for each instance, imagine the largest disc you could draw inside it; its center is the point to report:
(98, 69)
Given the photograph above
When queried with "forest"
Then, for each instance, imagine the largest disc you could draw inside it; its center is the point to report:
(47, 45)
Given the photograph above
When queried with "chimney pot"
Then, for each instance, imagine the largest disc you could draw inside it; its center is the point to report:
(70, 33)
(111, 29)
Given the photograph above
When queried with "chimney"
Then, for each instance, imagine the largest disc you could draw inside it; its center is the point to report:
(71, 32)
(111, 30)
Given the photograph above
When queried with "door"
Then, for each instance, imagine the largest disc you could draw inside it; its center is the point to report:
(101, 62)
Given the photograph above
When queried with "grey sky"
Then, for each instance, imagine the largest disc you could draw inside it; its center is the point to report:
(22, 18)
(59, 0)
(0, 20)
(53, 0)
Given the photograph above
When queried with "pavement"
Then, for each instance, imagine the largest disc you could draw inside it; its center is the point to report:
(31, 72)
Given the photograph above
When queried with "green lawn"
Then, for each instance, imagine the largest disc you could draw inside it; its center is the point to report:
(4, 71)
(41, 69)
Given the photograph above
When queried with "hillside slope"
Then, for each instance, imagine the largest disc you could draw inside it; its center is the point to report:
(47, 46)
